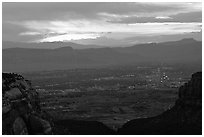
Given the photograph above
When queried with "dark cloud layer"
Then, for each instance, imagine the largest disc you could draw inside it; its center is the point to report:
(18, 16)
(182, 17)
(46, 11)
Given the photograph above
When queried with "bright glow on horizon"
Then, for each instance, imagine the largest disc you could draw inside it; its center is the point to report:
(105, 22)
(85, 29)
(163, 17)
(69, 37)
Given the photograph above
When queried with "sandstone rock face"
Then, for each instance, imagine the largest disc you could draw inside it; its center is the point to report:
(21, 113)
(184, 118)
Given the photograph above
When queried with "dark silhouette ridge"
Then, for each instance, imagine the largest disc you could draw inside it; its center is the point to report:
(21, 59)
(46, 45)
(184, 118)
(80, 127)
(21, 113)
(25, 117)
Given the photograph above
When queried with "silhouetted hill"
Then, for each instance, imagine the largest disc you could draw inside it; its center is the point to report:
(184, 118)
(46, 45)
(185, 50)
(22, 114)
(80, 127)
(21, 59)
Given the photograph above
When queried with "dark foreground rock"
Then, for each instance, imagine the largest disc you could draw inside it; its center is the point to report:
(79, 127)
(21, 113)
(185, 118)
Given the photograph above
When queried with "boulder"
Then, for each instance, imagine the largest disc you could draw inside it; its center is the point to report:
(19, 127)
(13, 94)
(21, 113)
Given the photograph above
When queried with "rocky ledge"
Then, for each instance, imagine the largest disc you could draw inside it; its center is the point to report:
(21, 113)
(184, 118)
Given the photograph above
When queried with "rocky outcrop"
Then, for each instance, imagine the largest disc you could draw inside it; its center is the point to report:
(185, 117)
(81, 127)
(21, 113)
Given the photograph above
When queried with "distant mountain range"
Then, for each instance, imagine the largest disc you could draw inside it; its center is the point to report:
(65, 57)
(46, 45)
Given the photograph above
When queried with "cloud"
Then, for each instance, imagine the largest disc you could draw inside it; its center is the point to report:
(69, 37)
(91, 10)
(163, 17)
(30, 33)
(85, 29)
(158, 12)
(74, 21)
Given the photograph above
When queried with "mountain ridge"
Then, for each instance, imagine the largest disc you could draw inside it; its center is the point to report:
(46, 45)
(26, 59)
(85, 45)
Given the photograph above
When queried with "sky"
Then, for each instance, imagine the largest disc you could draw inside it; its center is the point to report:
(110, 24)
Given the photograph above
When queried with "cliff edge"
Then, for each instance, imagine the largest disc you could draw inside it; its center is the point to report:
(21, 113)
(184, 118)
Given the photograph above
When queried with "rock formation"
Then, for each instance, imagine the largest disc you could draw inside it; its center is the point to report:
(185, 117)
(81, 127)
(21, 113)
